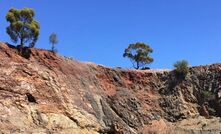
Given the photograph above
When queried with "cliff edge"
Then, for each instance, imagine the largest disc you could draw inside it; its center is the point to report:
(43, 92)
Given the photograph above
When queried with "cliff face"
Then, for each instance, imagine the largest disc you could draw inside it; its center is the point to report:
(47, 93)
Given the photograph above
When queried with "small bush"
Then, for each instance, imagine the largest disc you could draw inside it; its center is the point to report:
(181, 68)
(206, 94)
(145, 68)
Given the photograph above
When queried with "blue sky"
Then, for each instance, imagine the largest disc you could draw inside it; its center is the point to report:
(100, 30)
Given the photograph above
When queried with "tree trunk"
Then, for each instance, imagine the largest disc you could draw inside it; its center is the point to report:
(22, 42)
(52, 48)
(137, 65)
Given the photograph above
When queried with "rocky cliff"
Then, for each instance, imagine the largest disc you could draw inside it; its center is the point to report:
(42, 92)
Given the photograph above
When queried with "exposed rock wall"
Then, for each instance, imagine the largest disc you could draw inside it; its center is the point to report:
(48, 93)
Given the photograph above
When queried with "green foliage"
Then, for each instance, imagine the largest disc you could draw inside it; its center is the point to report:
(181, 68)
(22, 26)
(139, 54)
(206, 94)
(53, 40)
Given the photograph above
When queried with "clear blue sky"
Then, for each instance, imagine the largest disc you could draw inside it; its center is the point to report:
(100, 30)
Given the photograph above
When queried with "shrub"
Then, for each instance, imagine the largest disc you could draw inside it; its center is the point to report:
(181, 68)
(206, 94)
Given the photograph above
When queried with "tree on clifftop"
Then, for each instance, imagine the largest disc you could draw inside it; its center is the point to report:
(22, 26)
(53, 40)
(139, 54)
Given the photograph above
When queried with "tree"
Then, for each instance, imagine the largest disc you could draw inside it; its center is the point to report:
(53, 40)
(22, 26)
(181, 68)
(138, 54)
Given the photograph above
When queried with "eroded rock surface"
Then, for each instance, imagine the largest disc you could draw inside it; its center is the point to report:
(47, 93)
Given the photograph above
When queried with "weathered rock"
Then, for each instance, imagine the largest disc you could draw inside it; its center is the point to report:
(48, 93)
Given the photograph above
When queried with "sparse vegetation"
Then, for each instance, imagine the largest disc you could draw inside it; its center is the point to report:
(139, 54)
(206, 94)
(22, 26)
(181, 68)
(53, 40)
